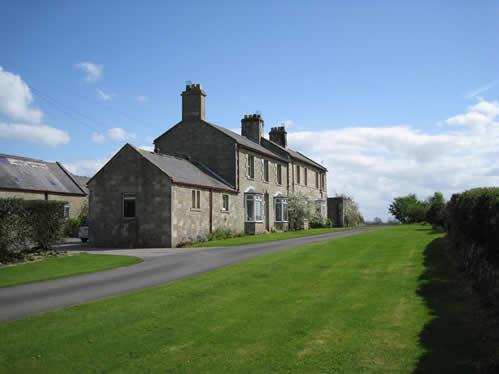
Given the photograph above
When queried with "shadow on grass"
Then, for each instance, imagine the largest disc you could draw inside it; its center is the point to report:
(457, 338)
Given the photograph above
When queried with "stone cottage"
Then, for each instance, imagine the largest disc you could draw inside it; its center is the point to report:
(200, 177)
(31, 179)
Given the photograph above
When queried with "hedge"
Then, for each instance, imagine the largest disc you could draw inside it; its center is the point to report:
(474, 216)
(28, 223)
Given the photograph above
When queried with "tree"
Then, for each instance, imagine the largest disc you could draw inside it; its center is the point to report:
(299, 209)
(408, 209)
(436, 210)
(378, 221)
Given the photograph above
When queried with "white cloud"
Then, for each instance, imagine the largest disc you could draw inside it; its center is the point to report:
(376, 164)
(149, 148)
(19, 120)
(85, 167)
(93, 71)
(16, 99)
(103, 95)
(119, 134)
(39, 134)
(98, 138)
(141, 99)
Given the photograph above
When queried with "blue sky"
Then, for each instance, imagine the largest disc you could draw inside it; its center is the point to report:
(356, 74)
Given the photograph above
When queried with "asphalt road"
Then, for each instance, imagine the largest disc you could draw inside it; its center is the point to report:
(159, 266)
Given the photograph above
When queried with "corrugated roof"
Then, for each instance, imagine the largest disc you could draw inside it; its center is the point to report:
(181, 170)
(22, 173)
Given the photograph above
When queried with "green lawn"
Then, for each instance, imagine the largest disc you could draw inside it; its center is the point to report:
(383, 301)
(262, 238)
(58, 267)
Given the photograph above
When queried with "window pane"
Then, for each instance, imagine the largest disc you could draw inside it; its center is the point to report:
(199, 200)
(278, 210)
(258, 208)
(250, 208)
(279, 174)
(266, 170)
(129, 208)
(225, 202)
(193, 205)
(285, 211)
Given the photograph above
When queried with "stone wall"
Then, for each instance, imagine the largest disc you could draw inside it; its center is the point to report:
(192, 224)
(271, 188)
(309, 189)
(76, 203)
(204, 144)
(129, 172)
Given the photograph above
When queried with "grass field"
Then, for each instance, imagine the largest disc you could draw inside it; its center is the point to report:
(383, 301)
(58, 267)
(262, 238)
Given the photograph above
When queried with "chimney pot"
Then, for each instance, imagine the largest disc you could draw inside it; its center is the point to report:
(252, 127)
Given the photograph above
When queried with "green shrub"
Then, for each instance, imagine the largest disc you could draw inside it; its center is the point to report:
(221, 234)
(72, 226)
(46, 219)
(14, 230)
(474, 215)
(317, 221)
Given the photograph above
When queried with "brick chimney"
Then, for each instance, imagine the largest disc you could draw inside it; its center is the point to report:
(279, 135)
(193, 102)
(252, 127)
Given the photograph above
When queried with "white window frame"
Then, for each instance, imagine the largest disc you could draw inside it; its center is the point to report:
(283, 202)
(225, 198)
(257, 199)
(67, 209)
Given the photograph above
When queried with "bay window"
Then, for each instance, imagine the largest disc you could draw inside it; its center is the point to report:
(253, 203)
(281, 209)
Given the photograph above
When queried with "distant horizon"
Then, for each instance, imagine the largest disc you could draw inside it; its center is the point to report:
(392, 98)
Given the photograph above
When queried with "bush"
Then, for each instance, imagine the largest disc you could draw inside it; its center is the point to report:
(221, 234)
(317, 221)
(46, 220)
(474, 215)
(72, 226)
(14, 230)
(299, 208)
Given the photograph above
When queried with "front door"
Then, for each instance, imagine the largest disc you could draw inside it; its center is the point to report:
(267, 212)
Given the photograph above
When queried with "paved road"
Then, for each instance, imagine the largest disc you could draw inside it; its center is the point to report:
(159, 266)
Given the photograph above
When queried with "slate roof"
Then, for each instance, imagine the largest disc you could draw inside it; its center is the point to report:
(22, 173)
(296, 155)
(183, 171)
(245, 141)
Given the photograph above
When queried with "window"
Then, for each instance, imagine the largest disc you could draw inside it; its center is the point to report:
(266, 170)
(281, 209)
(305, 172)
(129, 205)
(297, 174)
(316, 179)
(279, 174)
(196, 197)
(254, 207)
(66, 211)
(225, 203)
(251, 166)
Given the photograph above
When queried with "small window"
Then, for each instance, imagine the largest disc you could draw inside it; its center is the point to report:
(297, 174)
(225, 203)
(251, 166)
(305, 172)
(279, 174)
(196, 197)
(66, 211)
(129, 205)
(316, 179)
(266, 170)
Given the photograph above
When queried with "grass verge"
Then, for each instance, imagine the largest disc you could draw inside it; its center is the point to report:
(377, 302)
(270, 237)
(58, 267)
